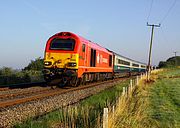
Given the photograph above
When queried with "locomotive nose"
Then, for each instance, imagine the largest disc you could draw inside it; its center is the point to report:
(61, 60)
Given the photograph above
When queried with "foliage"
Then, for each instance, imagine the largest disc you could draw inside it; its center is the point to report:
(162, 64)
(152, 105)
(171, 62)
(88, 113)
(11, 76)
(31, 73)
(36, 65)
(6, 71)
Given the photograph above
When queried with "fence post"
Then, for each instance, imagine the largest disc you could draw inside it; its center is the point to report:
(137, 80)
(105, 118)
(124, 91)
(113, 111)
(131, 84)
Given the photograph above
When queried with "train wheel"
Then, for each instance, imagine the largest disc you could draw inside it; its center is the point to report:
(74, 81)
(83, 81)
(63, 82)
(53, 87)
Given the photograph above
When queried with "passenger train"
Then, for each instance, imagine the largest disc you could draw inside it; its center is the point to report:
(72, 60)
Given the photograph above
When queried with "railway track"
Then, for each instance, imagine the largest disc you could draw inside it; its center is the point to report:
(20, 98)
(7, 95)
(4, 89)
(23, 85)
(17, 110)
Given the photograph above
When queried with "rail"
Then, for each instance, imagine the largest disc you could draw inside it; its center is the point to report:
(54, 92)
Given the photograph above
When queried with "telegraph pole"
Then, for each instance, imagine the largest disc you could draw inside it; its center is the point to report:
(150, 48)
(175, 53)
(175, 57)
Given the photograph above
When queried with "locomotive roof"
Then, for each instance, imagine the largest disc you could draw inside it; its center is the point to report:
(100, 47)
(93, 44)
(86, 41)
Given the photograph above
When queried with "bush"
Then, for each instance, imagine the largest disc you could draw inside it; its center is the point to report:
(10, 76)
(36, 65)
(171, 62)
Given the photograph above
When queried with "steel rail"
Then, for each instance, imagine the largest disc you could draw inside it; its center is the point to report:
(21, 85)
(24, 92)
(54, 92)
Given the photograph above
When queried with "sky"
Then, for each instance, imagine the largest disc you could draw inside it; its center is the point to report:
(119, 25)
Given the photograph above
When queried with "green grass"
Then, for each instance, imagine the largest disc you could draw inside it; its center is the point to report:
(168, 72)
(88, 112)
(164, 99)
(153, 105)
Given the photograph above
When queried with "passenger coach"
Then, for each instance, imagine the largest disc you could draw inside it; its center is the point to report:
(124, 66)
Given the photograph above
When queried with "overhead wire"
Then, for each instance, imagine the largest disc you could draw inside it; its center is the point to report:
(150, 10)
(164, 36)
(171, 7)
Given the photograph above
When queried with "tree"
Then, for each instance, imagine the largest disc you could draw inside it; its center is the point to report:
(6, 71)
(170, 62)
(162, 64)
(36, 65)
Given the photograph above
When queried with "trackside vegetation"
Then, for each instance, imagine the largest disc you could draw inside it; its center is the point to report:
(31, 73)
(170, 63)
(87, 113)
(155, 104)
(165, 99)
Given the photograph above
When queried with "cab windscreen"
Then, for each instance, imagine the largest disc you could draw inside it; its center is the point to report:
(62, 44)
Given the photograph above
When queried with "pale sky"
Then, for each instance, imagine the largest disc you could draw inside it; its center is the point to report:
(119, 25)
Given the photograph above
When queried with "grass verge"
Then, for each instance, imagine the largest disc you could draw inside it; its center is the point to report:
(87, 113)
(165, 101)
(152, 105)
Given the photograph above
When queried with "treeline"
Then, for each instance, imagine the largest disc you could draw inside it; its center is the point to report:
(171, 62)
(31, 73)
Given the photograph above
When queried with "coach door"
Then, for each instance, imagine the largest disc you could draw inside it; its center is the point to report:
(110, 60)
(93, 58)
(84, 54)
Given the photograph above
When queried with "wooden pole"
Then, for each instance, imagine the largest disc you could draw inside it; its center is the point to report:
(150, 49)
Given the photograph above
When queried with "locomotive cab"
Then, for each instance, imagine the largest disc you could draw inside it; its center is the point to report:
(61, 58)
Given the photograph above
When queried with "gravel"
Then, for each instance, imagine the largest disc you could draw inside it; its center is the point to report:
(13, 91)
(19, 113)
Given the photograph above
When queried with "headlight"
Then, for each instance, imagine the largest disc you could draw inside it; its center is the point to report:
(72, 64)
(47, 63)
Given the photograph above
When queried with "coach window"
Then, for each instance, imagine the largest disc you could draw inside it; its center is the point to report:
(135, 65)
(83, 48)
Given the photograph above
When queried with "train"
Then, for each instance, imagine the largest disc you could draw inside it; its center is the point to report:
(70, 59)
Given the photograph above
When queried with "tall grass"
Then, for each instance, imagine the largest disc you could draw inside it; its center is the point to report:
(151, 105)
(130, 111)
(86, 114)
(165, 103)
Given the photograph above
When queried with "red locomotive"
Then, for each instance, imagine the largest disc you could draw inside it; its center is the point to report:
(71, 59)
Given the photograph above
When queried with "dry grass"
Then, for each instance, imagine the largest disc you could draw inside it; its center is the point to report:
(131, 111)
